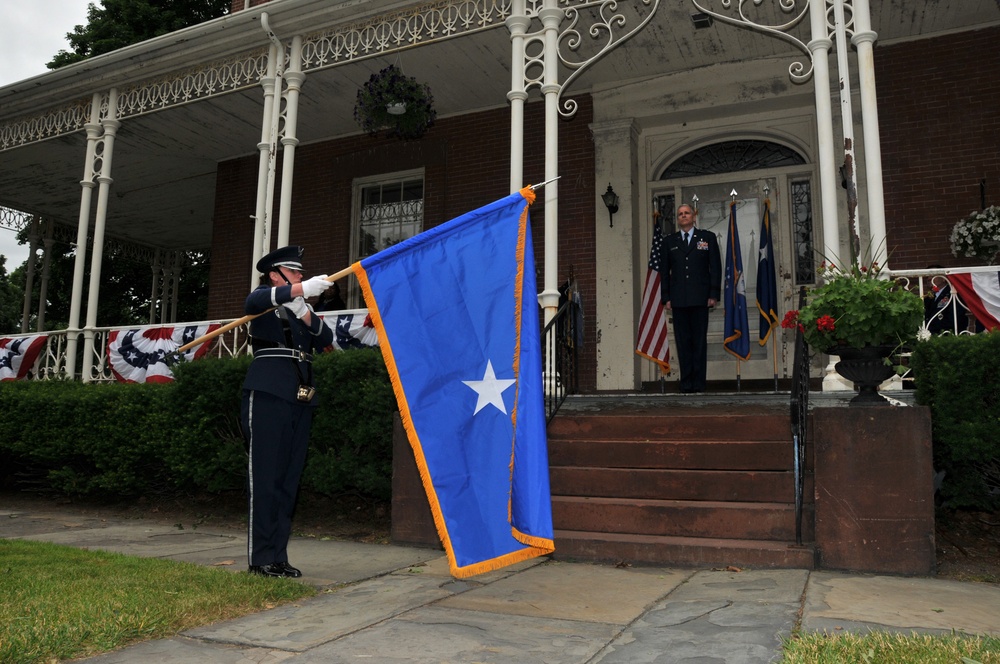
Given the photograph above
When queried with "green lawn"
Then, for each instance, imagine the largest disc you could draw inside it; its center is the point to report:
(888, 648)
(57, 602)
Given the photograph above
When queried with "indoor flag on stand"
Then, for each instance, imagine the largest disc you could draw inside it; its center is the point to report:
(767, 293)
(652, 342)
(471, 401)
(737, 337)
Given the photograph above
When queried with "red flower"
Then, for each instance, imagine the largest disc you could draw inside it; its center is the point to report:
(825, 323)
(791, 320)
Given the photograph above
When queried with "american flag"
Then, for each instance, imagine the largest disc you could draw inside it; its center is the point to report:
(652, 343)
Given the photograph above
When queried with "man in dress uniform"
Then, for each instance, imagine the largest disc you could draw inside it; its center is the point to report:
(691, 285)
(278, 403)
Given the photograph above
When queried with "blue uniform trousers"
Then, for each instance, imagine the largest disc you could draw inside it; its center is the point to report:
(690, 329)
(277, 434)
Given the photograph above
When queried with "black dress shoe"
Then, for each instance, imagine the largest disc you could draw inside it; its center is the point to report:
(288, 570)
(274, 570)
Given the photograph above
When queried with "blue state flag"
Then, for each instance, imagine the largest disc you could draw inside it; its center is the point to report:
(737, 337)
(456, 313)
(767, 292)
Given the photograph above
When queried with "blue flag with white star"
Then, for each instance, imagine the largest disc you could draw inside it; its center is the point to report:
(767, 292)
(737, 329)
(470, 400)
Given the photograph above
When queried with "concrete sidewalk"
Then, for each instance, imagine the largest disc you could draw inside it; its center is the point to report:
(398, 604)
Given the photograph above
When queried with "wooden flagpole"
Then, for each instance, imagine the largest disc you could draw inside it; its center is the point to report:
(249, 317)
(333, 277)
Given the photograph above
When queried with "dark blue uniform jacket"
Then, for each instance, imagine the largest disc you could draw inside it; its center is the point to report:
(278, 375)
(690, 275)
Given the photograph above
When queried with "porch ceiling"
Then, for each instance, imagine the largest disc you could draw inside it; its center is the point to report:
(165, 162)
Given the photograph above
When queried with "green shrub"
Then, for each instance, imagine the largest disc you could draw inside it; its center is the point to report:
(958, 377)
(351, 441)
(203, 445)
(81, 439)
(127, 440)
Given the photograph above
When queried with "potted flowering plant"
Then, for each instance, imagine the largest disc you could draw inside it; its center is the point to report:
(854, 308)
(978, 235)
(391, 100)
(861, 317)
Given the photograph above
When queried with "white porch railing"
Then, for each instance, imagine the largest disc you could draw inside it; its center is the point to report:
(51, 361)
(954, 317)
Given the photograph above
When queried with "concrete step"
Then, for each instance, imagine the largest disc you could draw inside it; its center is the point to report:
(687, 425)
(682, 551)
(659, 484)
(675, 454)
(680, 518)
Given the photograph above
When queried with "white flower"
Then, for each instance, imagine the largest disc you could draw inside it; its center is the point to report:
(923, 334)
(977, 235)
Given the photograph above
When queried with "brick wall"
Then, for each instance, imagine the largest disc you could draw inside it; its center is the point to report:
(939, 119)
(466, 165)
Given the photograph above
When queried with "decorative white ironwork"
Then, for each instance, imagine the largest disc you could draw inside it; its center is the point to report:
(799, 72)
(606, 20)
(14, 220)
(52, 123)
(210, 80)
(403, 29)
(383, 35)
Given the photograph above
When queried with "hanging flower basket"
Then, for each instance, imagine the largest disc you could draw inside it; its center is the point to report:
(978, 235)
(390, 100)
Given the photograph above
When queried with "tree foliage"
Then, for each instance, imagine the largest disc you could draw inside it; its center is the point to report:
(119, 23)
(11, 299)
(124, 298)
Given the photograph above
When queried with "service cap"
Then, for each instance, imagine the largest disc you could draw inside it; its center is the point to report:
(290, 257)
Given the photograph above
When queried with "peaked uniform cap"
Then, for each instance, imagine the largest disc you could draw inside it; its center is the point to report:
(290, 256)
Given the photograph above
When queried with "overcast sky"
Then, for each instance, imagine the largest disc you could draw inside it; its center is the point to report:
(31, 32)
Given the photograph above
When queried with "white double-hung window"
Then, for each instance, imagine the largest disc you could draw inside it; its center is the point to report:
(387, 210)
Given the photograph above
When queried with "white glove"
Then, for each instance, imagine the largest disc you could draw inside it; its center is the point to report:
(297, 306)
(315, 285)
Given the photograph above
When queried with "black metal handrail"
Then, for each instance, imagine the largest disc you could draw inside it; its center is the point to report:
(560, 340)
(800, 415)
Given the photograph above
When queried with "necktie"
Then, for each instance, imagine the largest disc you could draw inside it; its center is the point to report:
(687, 238)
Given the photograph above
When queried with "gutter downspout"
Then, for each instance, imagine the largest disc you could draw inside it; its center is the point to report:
(272, 84)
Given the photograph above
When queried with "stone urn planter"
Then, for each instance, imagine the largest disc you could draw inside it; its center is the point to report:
(867, 369)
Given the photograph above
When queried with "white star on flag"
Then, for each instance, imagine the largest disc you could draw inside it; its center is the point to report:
(490, 389)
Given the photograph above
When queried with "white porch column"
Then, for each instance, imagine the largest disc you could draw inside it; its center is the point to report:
(289, 140)
(517, 23)
(550, 16)
(619, 285)
(175, 286)
(165, 292)
(154, 287)
(828, 183)
(79, 264)
(29, 280)
(43, 287)
(864, 39)
(850, 162)
(262, 213)
(110, 123)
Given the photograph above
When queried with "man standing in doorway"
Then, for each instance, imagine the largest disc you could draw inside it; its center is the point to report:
(692, 284)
